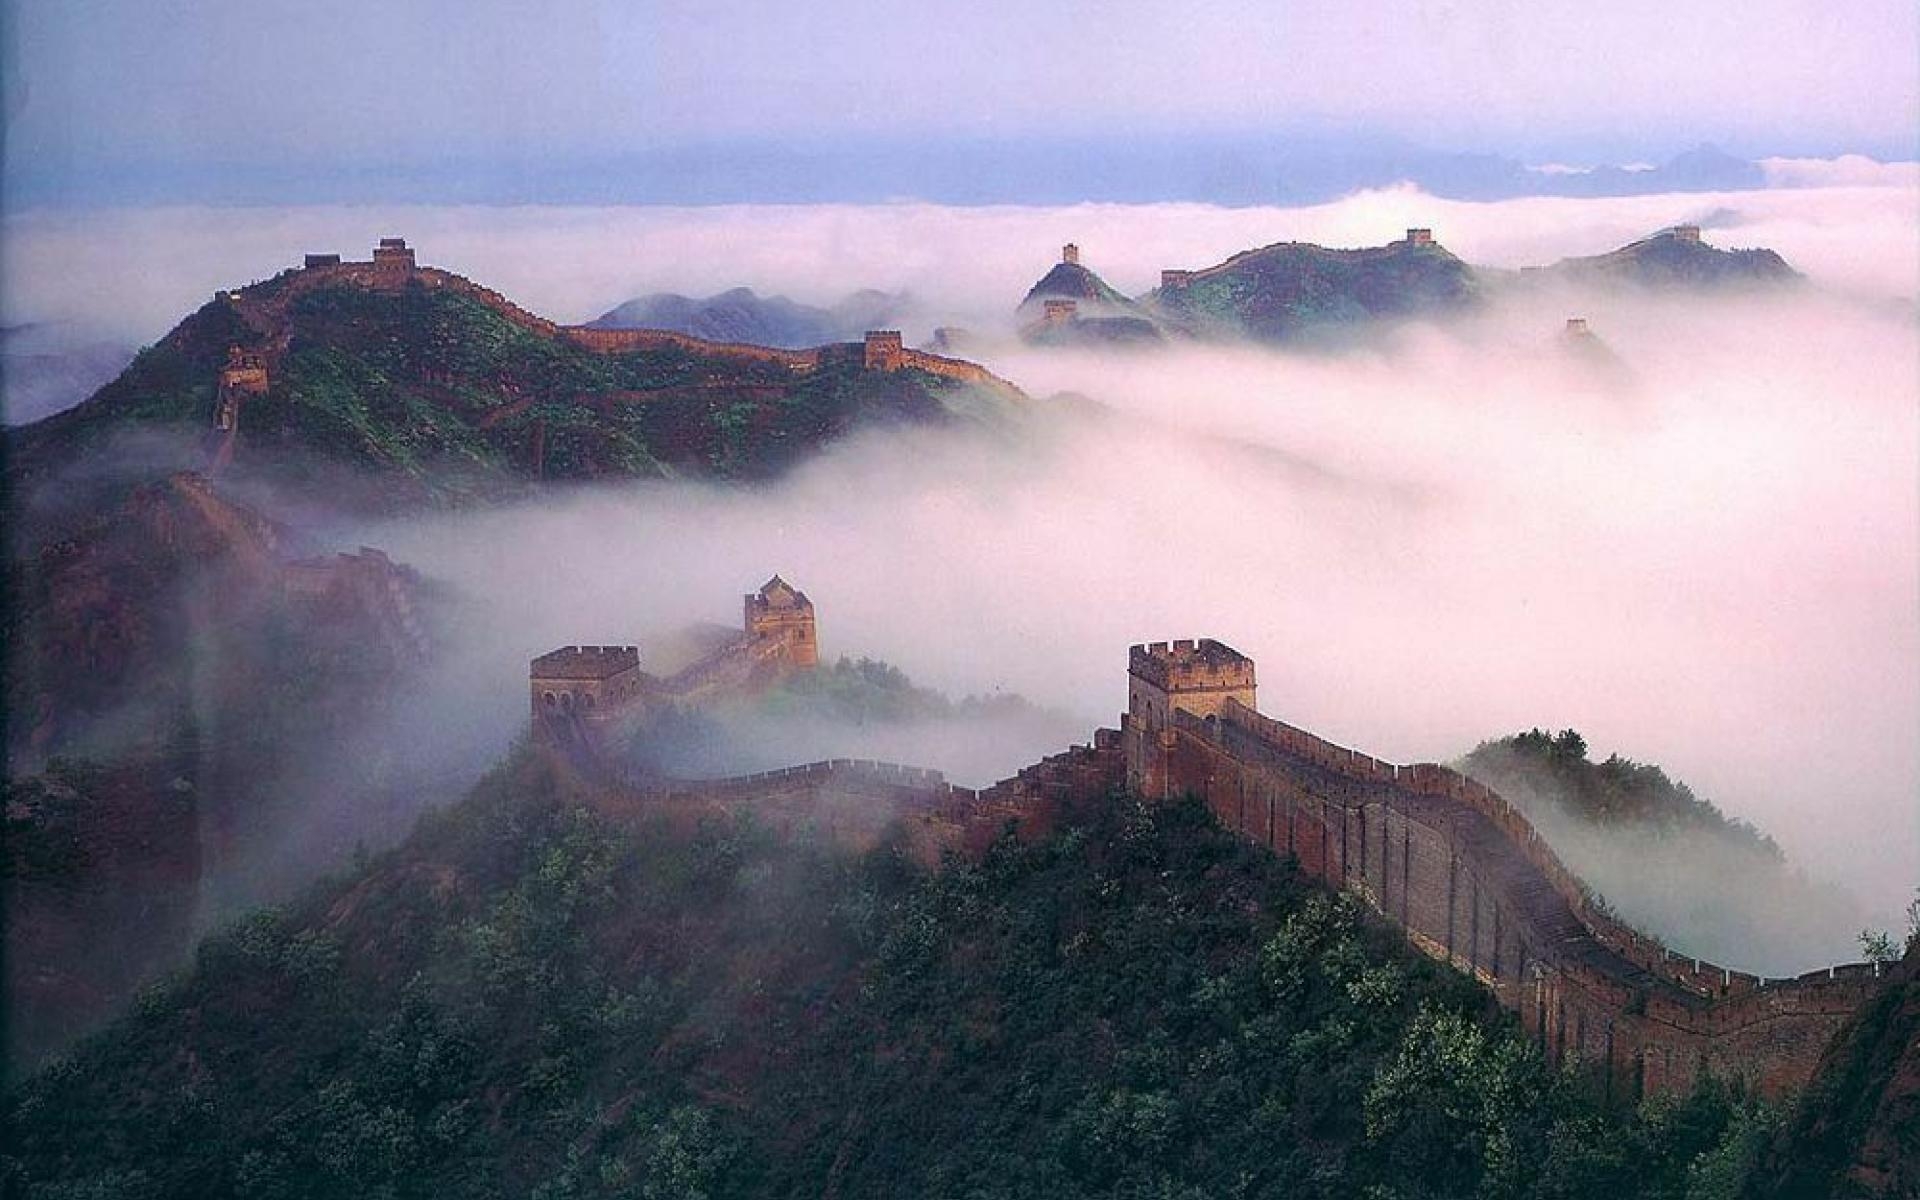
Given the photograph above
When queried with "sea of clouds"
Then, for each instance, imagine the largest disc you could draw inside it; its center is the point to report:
(1707, 555)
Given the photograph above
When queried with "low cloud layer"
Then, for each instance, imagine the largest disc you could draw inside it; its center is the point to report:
(129, 274)
(1708, 559)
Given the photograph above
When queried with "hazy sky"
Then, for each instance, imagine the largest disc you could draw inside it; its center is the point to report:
(98, 90)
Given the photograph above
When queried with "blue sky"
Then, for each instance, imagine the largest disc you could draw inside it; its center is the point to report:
(214, 97)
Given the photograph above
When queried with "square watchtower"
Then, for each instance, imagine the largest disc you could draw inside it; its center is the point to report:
(1197, 676)
(393, 261)
(884, 350)
(779, 610)
(584, 681)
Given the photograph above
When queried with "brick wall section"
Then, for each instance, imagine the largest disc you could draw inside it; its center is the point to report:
(1469, 881)
(857, 802)
(370, 587)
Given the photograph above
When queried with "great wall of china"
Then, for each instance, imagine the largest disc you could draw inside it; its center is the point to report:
(1460, 871)
(264, 308)
(1470, 881)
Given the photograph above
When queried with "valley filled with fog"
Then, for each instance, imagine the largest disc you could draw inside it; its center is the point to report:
(1701, 552)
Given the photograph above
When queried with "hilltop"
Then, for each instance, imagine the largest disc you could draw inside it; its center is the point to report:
(1673, 258)
(1069, 280)
(1279, 292)
(395, 385)
(1668, 859)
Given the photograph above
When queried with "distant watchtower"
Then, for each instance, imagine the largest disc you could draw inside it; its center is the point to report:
(315, 262)
(392, 262)
(884, 350)
(1686, 233)
(1070, 254)
(1175, 281)
(1199, 677)
(244, 375)
(1419, 237)
(1577, 328)
(779, 610)
(1059, 312)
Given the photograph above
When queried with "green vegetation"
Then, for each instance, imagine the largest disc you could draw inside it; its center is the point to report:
(440, 398)
(865, 689)
(532, 999)
(1283, 291)
(1617, 792)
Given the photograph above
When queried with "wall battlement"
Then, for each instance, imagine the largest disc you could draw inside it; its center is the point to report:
(1469, 880)
(576, 686)
(585, 662)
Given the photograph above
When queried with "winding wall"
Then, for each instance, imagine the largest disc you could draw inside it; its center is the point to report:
(265, 308)
(1470, 881)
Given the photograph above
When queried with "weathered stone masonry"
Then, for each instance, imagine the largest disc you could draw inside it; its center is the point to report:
(1472, 883)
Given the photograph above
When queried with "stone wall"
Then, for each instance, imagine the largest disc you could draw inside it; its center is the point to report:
(857, 802)
(1469, 881)
(369, 588)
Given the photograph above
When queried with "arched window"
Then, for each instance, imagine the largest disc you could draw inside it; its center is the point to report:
(548, 699)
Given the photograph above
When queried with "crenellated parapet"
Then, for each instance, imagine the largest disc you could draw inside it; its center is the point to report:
(1469, 880)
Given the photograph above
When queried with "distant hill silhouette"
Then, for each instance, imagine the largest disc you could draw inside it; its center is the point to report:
(742, 315)
(1674, 258)
(1293, 290)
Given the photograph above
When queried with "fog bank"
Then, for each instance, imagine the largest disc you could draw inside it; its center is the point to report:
(1708, 558)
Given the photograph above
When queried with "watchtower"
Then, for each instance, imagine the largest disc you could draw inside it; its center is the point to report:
(779, 610)
(1174, 280)
(583, 682)
(884, 350)
(1070, 254)
(1198, 676)
(392, 262)
(317, 261)
(1059, 312)
(1577, 327)
(1419, 237)
(1687, 233)
(244, 375)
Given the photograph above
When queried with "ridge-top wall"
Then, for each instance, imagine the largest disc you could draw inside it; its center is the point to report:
(266, 310)
(1469, 881)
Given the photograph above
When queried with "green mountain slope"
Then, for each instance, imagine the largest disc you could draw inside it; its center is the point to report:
(1071, 281)
(430, 395)
(1669, 259)
(534, 998)
(1284, 291)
